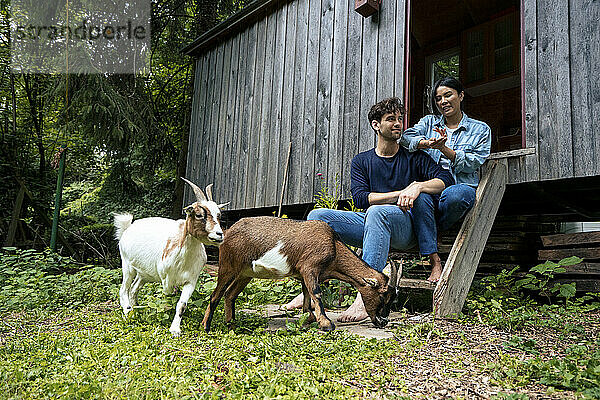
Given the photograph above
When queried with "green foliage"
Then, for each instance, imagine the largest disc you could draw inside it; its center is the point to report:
(68, 341)
(29, 280)
(500, 300)
(418, 334)
(526, 345)
(579, 370)
(539, 276)
(326, 197)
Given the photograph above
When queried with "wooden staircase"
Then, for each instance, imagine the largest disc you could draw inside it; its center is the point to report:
(450, 292)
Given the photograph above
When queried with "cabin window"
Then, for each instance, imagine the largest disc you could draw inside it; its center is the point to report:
(479, 43)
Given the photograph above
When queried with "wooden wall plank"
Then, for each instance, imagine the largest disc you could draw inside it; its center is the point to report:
(323, 99)
(554, 90)
(368, 88)
(245, 118)
(220, 162)
(211, 98)
(570, 239)
(516, 169)
(585, 58)
(236, 129)
(198, 175)
(532, 162)
(338, 82)
(386, 55)
(196, 118)
(254, 134)
(267, 112)
(228, 154)
(399, 48)
(213, 131)
(271, 189)
(310, 103)
(297, 126)
(287, 113)
(352, 111)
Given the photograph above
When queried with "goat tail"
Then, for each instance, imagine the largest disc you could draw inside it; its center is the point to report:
(122, 222)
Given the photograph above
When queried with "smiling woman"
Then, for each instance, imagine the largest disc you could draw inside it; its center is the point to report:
(457, 143)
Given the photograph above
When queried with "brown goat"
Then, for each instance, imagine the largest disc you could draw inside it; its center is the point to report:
(274, 248)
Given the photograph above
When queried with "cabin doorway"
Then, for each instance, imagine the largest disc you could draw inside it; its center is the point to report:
(479, 43)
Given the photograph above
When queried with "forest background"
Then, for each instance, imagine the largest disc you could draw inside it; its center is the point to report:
(126, 136)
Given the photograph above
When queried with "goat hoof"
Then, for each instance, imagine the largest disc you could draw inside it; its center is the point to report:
(175, 333)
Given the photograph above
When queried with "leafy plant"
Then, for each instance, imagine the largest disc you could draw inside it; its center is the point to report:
(30, 280)
(579, 370)
(519, 343)
(539, 276)
(325, 197)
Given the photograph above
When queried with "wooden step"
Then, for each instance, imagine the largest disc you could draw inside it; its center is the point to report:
(416, 284)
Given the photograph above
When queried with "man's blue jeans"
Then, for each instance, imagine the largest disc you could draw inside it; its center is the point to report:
(374, 230)
(385, 226)
(454, 202)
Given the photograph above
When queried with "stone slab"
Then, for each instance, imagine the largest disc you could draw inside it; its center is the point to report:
(279, 318)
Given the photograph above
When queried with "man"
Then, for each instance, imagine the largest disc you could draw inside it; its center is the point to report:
(390, 183)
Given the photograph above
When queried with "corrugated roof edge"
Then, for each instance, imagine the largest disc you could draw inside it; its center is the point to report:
(232, 24)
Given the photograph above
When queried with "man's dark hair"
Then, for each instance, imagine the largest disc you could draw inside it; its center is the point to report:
(391, 105)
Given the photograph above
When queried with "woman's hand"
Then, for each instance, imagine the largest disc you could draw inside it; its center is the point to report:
(425, 143)
(439, 143)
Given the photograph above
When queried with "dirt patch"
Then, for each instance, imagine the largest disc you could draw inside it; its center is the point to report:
(451, 358)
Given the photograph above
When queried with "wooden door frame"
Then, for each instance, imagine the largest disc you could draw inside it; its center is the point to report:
(407, 54)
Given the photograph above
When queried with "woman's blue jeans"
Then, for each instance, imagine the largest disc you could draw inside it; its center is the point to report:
(385, 226)
(454, 202)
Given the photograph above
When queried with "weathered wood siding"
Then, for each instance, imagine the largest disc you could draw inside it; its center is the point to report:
(562, 90)
(306, 73)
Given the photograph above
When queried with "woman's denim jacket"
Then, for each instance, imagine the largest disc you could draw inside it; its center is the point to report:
(471, 141)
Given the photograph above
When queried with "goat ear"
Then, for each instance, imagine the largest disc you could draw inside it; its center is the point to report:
(371, 282)
(208, 191)
(188, 210)
(224, 204)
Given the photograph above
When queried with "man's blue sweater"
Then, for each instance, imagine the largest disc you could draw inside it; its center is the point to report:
(372, 173)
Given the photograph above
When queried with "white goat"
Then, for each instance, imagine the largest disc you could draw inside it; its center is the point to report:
(168, 251)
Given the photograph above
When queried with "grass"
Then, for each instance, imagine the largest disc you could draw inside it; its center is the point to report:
(95, 353)
(63, 336)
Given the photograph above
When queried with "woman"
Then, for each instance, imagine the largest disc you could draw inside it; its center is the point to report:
(459, 144)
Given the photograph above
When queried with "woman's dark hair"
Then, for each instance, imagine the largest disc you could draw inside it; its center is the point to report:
(447, 81)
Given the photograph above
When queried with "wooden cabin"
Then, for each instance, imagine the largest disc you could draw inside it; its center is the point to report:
(306, 72)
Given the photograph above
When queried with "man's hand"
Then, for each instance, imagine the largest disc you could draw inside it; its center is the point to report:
(407, 196)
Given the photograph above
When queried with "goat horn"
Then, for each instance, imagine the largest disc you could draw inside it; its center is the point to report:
(209, 192)
(393, 273)
(197, 191)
